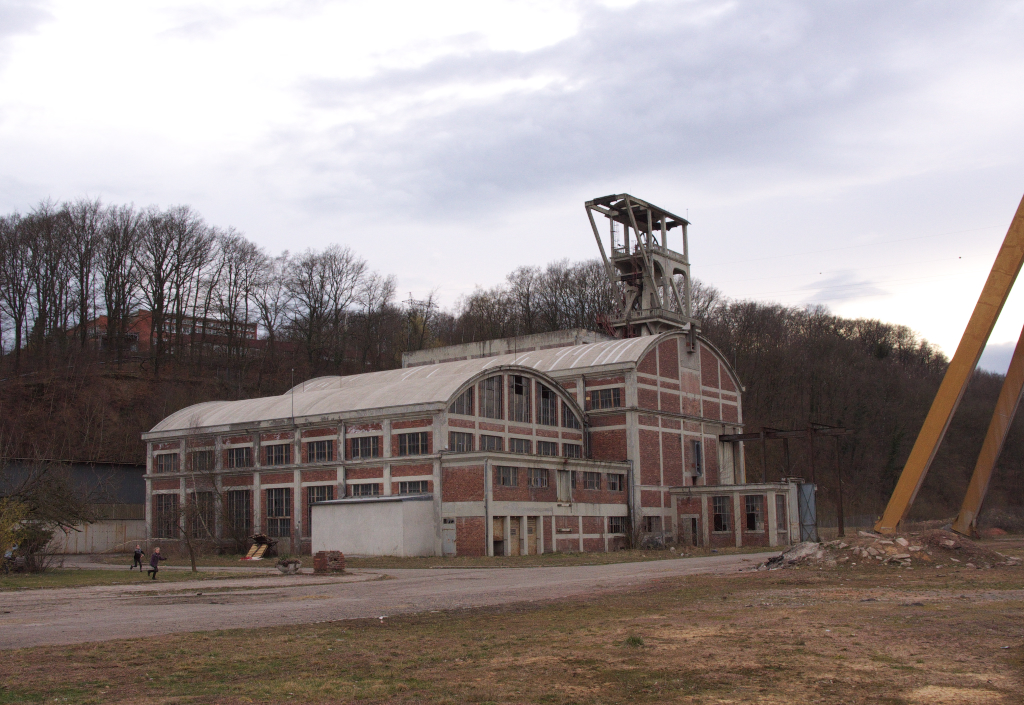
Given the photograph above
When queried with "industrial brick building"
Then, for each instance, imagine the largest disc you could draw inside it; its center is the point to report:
(565, 441)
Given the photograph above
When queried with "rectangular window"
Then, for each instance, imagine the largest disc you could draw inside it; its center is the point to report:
(652, 524)
(572, 450)
(167, 462)
(753, 505)
(201, 460)
(519, 398)
(279, 454)
(200, 515)
(606, 398)
(490, 398)
(781, 520)
(547, 448)
(616, 482)
(519, 445)
(364, 490)
(240, 457)
(239, 513)
(591, 480)
(279, 512)
(507, 477)
(720, 513)
(165, 516)
(569, 419)
(697, 453)
(320, 452)
(464, 404)
(547, 406)
(491, 443)
(460, 442)
(366, 447)
(414, 487)
(538, 477)
(412, 443)
(616, 525)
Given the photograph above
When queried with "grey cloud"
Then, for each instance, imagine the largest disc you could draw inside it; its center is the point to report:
(19, 17)
(647, 90)
(996, 357)
(845, 286)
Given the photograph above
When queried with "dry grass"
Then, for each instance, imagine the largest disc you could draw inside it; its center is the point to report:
(866, 635)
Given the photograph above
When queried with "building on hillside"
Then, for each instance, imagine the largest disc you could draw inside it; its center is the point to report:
(564, 441)
(214, 333)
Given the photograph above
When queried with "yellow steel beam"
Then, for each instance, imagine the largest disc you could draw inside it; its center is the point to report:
(965, 359)
(1006, 407)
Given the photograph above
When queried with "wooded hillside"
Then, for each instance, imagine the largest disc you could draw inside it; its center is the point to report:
(229, 321)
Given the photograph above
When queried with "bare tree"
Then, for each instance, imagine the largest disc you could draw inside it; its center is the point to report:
(118, 252)
(15, 278)
(85, 232)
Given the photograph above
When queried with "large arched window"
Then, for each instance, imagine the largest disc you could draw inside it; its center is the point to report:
(490, 398)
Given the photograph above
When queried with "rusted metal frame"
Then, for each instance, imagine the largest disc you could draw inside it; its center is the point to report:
(993, 296)
(1006, 407)
(643, 251)
(607, 263)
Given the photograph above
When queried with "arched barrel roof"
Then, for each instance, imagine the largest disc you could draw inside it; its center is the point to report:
(415, 386)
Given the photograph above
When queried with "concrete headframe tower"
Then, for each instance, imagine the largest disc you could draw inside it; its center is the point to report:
(653, 280)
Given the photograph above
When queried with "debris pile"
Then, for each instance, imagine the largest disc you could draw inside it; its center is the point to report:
(937, 548)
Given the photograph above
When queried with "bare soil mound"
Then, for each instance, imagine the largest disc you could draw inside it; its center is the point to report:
(929, 548)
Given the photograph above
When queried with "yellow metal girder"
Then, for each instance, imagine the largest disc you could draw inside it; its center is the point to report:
(1006, 407)
(958, 374)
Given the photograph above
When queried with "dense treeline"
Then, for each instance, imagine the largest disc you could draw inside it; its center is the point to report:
(70, 392)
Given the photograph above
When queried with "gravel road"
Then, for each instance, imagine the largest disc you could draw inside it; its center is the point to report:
(74, 615)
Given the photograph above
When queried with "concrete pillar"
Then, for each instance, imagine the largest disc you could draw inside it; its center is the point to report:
(507, 543)
(488, 519)
(298, 502)
(737, 519)
(540, 534)
(257, 504)
(524, 538)
(438, 538)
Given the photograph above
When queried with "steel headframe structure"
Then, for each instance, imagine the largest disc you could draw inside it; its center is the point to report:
(993, 296)
(643, 268)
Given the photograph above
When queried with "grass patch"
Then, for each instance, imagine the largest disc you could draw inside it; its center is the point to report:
(697, 647)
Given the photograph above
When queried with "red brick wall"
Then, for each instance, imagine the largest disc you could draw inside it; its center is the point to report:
(233, 440)
(464, 484)
(470, 536)
(549, 540)
(708, 367)
(567, 522)
(411, 470)
(276, 478)
(672, 458)
(319, 475)
(363, 427)
(649, 363)
(170, 445)
(319, 432)
(595, 545)
(727, 380)
(711, 461)
(271, 437)
(650, 458)
(520, 430)
(615, 420)
(414, 423)
(712, 410)
(650, 498)
(461, 423)
(593, 525)
(670, 402)
(567, 545)
(668, 359)
(730, 413)
(604, 381)
(647, 398)
(166, 484)
(234, 481)
(544, 433)
(363, 473)
(608, 445)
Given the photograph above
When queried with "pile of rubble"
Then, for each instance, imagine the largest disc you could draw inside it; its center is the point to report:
(931, 548)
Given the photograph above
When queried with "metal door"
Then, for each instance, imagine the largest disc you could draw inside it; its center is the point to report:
(514, 535)
(448, 537)
(564, 486)
(531, 535)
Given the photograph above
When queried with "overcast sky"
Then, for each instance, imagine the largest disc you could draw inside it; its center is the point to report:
(863, 155)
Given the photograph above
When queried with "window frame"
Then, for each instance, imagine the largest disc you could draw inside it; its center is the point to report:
(207, 454)
(166, 515)
(568, 452)
(520, 446)
(422, 487)
(519, 404)
(407, 446)
(460, 442)
(543, 446)
(491, 401)
(358, 450)
(270, 456)
(375, 492)
(538, 478)
(160, 462)
(754, 508)
(463, 402)
(616, 482)
(608, 398)
(314, 448)
(569, 418)
(721, 506)
(591, 480)
(781, 513)
(489, 439)
(547, 406)
(245, 461)
(613, 529)
(237, 509)
(506, 476)
(279, 512)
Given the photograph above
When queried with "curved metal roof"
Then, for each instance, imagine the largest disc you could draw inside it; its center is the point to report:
(426, 384)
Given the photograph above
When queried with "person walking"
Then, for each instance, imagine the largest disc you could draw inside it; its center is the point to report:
(154, 562)
(137, 561)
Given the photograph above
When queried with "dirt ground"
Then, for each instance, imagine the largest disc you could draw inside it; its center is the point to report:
(869, 634)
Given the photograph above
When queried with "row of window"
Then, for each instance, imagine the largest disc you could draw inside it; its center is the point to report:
(373, 489)
(281, 453)
(754, 513)
(505, 476)
(459, 442)
(520, 406)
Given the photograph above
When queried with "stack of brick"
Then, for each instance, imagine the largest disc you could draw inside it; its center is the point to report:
(329, 562)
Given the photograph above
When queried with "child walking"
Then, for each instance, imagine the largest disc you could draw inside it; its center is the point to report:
(137, 561)
(154, 562)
